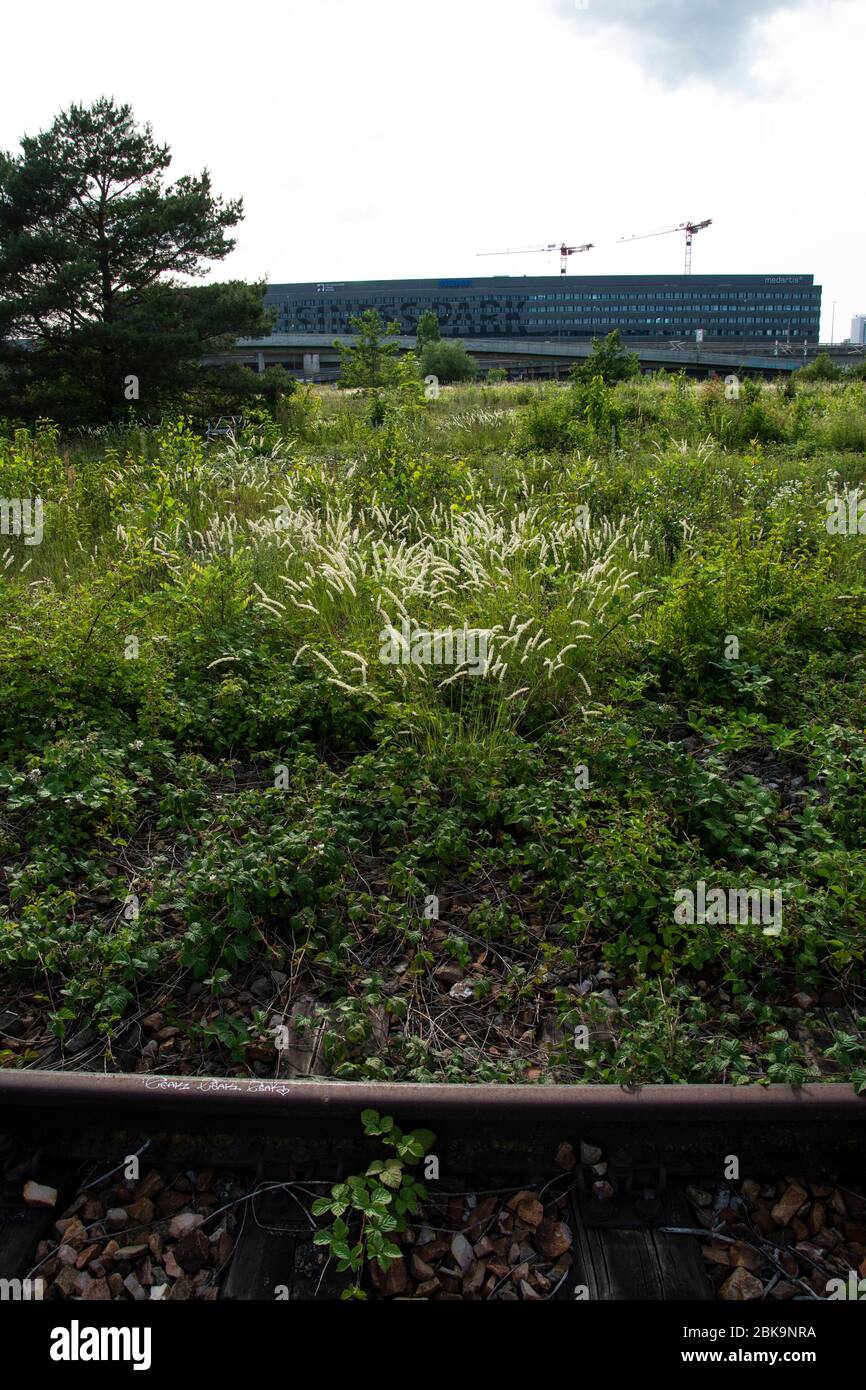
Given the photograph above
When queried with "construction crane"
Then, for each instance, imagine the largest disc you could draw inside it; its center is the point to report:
(690, 229)
(564, 252)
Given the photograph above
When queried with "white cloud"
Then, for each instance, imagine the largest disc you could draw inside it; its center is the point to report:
(682, 38)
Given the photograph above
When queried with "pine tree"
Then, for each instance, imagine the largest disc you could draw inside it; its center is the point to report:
(92, 245)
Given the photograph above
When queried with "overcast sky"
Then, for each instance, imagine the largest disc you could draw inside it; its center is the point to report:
(384, 138)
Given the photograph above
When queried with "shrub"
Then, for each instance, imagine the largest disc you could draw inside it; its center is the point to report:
(448, 360)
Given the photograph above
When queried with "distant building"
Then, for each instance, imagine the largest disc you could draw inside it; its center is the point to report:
(858, 329)
(737, 308)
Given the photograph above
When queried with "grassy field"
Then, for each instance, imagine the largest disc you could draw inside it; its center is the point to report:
(224, 814)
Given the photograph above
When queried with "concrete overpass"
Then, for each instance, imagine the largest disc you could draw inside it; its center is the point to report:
(313, 357)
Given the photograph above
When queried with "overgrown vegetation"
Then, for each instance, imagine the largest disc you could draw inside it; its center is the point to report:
(210, 777)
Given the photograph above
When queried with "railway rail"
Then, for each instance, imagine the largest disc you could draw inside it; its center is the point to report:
(689, 1128)
(219, 1208)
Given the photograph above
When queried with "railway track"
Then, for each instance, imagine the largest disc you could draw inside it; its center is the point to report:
(674, 1200)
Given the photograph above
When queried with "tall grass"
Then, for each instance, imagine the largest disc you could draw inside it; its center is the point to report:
(309, 537)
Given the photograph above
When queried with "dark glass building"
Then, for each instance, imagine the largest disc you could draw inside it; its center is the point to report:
(744, 308)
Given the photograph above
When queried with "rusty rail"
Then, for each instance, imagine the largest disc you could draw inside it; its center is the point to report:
(691, 1128)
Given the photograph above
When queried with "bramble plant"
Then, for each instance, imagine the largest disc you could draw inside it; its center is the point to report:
(369, 1209)
(194, 713)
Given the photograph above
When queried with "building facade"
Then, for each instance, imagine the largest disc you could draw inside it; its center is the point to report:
(858, 329)
(735, 308)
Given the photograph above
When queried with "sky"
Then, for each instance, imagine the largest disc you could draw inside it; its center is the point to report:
(376, 139)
